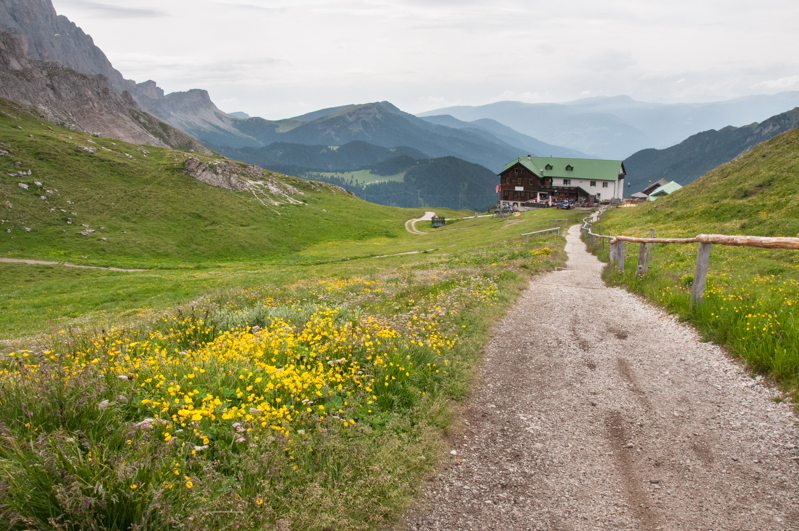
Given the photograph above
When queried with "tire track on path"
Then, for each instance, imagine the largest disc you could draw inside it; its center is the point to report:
(597, 411)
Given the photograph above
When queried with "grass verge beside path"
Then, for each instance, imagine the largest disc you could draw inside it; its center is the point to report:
(751, 295)
(310, 393)
(749, 305)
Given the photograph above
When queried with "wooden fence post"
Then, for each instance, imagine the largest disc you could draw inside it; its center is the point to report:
(611, 255)
(639, 271)
(620, 257)
(700, 274)
(648, 249)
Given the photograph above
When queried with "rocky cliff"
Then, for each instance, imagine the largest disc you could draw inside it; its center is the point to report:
(81, 101)
(47, 36)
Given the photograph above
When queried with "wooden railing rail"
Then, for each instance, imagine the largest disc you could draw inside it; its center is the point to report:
(720, 239)
(528, 234)
(618, 250)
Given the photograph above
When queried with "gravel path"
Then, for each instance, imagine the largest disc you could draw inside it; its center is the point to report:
(410, 225)
(65, 264)
(598, 411)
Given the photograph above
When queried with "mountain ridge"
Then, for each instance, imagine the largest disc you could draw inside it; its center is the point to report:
(619, 126)
(702, 152)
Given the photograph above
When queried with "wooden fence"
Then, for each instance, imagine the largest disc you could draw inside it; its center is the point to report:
(619, 247)
(528, 234)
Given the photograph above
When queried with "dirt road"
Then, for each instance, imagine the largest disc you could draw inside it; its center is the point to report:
(410, 225)
(599, 411)
(64, 264)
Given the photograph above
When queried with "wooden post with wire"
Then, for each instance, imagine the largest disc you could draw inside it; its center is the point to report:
(648, 249)
(700, 273)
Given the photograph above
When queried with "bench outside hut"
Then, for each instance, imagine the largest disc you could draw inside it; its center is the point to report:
(438, 221)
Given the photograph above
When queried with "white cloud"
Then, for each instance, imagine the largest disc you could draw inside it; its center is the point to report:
(285, 57)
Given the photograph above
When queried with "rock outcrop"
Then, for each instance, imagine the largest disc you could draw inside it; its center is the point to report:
(80, 101)
(242, 177)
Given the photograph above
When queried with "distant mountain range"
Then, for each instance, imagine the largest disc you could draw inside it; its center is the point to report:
(380, 124)
(700, 153)
(377, 138)
(617, 127)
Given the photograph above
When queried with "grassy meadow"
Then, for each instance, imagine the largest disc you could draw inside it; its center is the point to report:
(751, 296)
(274, 367)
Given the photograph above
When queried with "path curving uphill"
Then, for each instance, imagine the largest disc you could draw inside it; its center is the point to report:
(410, 225)
(597, 411)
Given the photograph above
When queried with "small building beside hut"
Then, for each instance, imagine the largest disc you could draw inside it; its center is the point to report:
(663, 191)
(536, 180)
(651, 187)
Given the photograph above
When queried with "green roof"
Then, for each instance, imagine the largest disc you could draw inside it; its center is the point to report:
(666, 189)
(590, 169)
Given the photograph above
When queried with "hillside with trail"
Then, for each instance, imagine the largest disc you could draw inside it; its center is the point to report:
(597, 410)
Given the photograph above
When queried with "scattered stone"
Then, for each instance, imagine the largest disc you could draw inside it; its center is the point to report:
(454, 452)
(27, 229)
(147, 424)
(37, 183)
(23, 186)
(88, 149)
(43, 197)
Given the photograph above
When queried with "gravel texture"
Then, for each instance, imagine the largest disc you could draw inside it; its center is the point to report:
(598, 411)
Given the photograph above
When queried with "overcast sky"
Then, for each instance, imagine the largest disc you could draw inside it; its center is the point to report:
(282, 58)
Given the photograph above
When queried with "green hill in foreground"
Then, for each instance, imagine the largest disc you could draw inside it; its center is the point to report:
(751, 294)
(144, 209)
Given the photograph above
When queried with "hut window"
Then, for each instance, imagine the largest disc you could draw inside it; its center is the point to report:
(567, 181)
(549, 166)
(604, 185)
(593, 183)
(569, 168)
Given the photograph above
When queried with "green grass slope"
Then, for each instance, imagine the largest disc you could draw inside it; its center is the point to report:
(145, 210)
(751, 294)
(756, 194)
